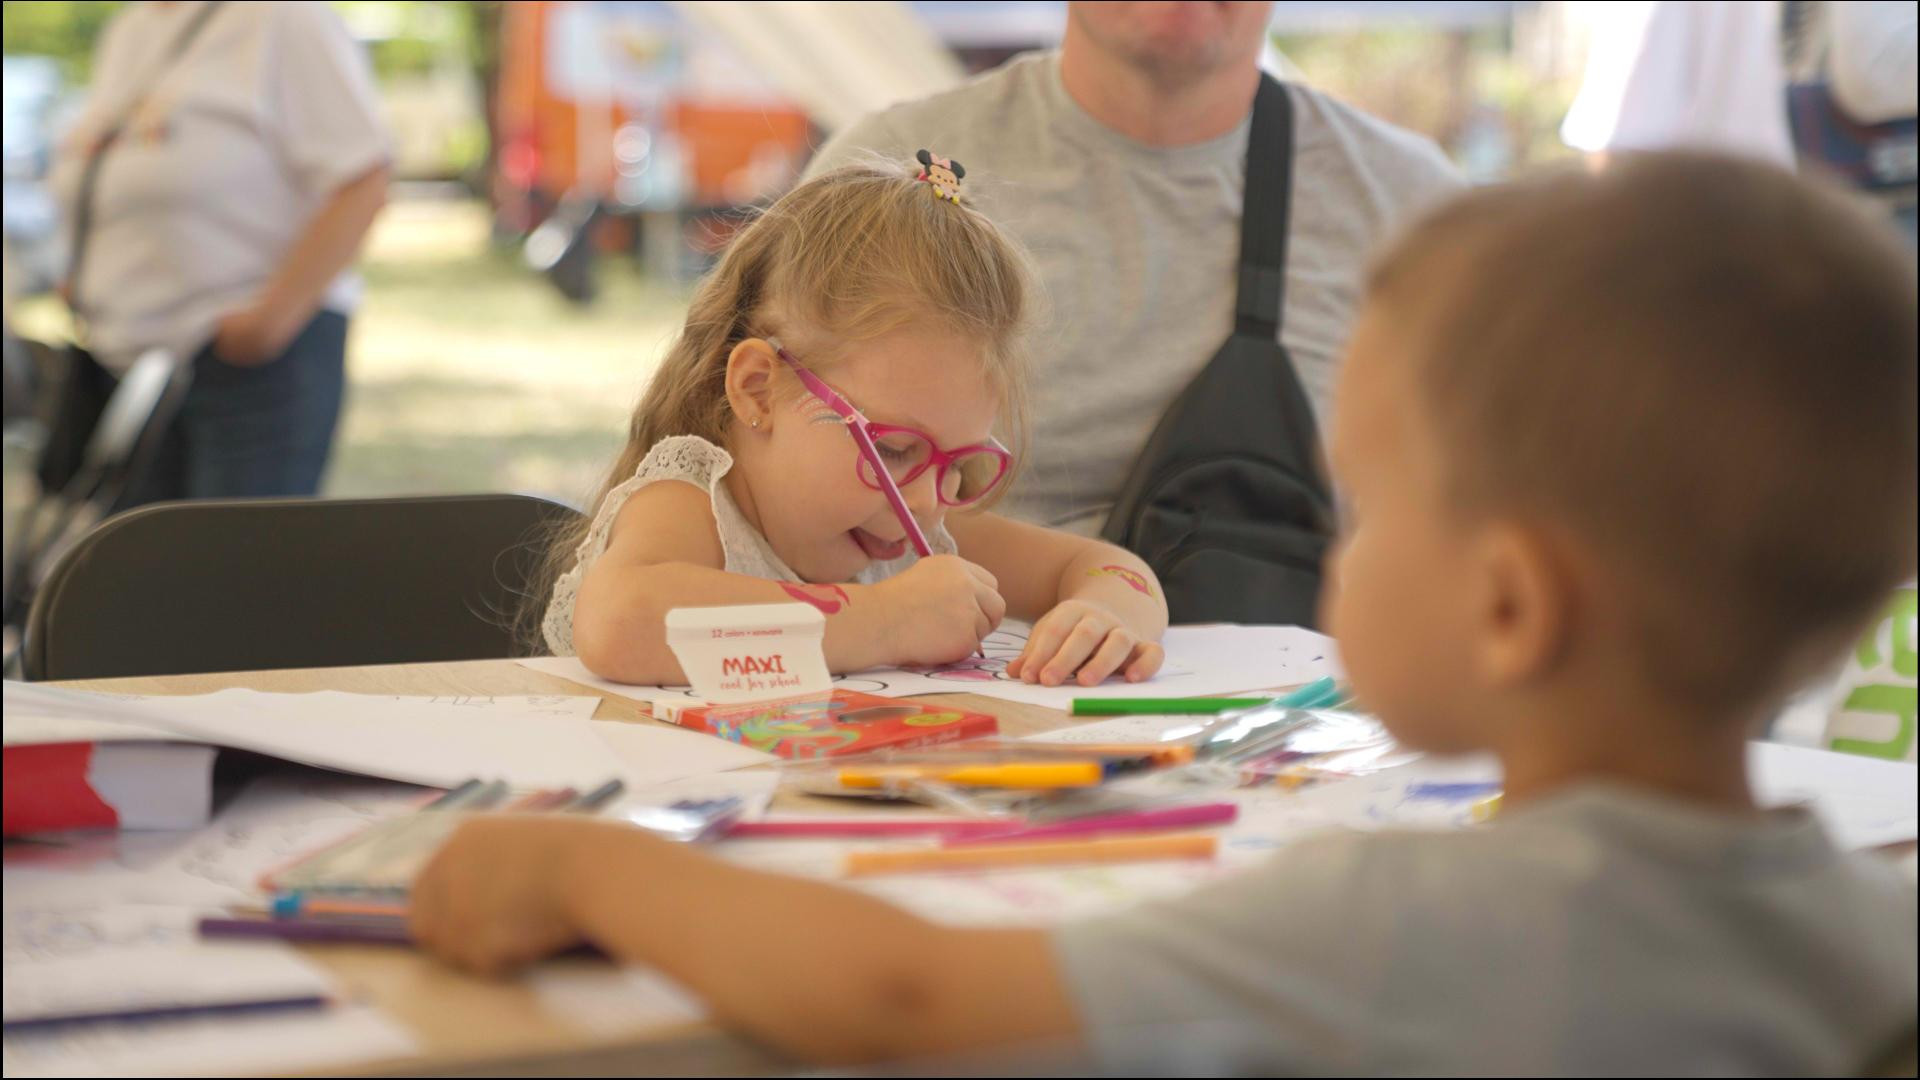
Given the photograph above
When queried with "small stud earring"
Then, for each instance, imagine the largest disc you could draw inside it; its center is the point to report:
(754, 423)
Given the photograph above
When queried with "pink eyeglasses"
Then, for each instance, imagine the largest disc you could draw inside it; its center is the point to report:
(892, 457)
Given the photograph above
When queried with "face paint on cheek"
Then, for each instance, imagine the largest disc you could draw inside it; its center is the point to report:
(816, 411)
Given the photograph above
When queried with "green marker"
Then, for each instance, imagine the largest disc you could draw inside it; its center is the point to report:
(1162, 706)
(1319, 694)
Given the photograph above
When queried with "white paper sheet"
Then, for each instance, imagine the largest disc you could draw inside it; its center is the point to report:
(753, 787)
(104, 919)
(66, 962)
(269, 1042)
(37, 714)
(646, 754)
(1864, 802)
(541, 741)
(102, 913)
(605, 1001)
(1201, 660)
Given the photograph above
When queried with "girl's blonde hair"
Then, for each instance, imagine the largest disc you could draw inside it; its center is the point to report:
(843, 258)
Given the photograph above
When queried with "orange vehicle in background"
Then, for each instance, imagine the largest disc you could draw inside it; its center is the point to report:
(622, 126)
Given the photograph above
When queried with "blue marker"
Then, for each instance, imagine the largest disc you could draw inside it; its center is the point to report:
(1454, 792)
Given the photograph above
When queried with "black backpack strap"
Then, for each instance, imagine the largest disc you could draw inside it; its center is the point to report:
(1226, 501)
(1264, 207)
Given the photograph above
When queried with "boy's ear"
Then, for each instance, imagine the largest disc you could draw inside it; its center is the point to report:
(1527, 606)
(750, 372)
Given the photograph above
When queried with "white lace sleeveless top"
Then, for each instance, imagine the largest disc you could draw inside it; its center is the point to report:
(693, 460)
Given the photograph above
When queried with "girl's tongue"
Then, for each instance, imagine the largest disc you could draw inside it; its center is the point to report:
(877, 549)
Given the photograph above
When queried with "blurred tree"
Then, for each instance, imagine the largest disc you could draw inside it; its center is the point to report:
(64, 31)
(483, 19)
(405, 39)
(417, 48)
(1467, 89)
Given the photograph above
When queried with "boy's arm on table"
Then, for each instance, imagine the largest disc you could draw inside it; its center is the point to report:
(819, 971)
(823, 972)
(665, 553)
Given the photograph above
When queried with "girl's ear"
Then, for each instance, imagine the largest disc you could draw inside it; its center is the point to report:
(750, 371)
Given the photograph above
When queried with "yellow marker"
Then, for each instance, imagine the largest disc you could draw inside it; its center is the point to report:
(1037, 774)
(1056, 853)
(1486, 808)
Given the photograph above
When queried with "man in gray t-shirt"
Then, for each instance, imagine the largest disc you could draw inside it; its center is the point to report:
(1120, 162)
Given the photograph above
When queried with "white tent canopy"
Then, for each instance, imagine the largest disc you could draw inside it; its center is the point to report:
(838, 60)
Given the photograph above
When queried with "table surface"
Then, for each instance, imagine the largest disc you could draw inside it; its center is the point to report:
(470, 1026)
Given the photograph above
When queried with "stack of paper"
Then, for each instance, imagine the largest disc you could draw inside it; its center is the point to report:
(530, 742)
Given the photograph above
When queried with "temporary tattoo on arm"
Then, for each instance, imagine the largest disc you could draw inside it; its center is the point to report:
(1132, 577)
(820, 596)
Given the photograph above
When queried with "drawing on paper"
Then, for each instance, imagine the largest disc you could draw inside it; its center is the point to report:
(998, 649)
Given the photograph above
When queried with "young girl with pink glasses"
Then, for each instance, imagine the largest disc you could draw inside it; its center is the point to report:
(824, 430)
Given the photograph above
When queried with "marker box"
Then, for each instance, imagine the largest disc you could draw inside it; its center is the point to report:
(750, 652)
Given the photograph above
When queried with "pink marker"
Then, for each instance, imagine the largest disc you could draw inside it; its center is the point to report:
(1174, 817)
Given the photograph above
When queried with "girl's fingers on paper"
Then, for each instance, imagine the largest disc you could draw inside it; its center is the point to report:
(1047, 635)
(1086, 637)
(1146, 661)
(1050, 636)
(1107, 659)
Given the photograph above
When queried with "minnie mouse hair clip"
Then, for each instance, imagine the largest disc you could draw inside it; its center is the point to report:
(944, 174)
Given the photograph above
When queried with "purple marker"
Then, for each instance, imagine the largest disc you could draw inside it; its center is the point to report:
(357, 930)
(169, 1012)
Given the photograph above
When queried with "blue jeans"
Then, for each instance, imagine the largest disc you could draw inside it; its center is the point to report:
(254, 431)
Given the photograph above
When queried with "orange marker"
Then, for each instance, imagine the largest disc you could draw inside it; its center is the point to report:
(1017, 774)
(1060, 853)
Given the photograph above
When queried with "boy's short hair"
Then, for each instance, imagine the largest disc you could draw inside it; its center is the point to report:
(1702, 366)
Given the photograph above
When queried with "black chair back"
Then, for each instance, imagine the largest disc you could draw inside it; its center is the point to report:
(245, 584)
